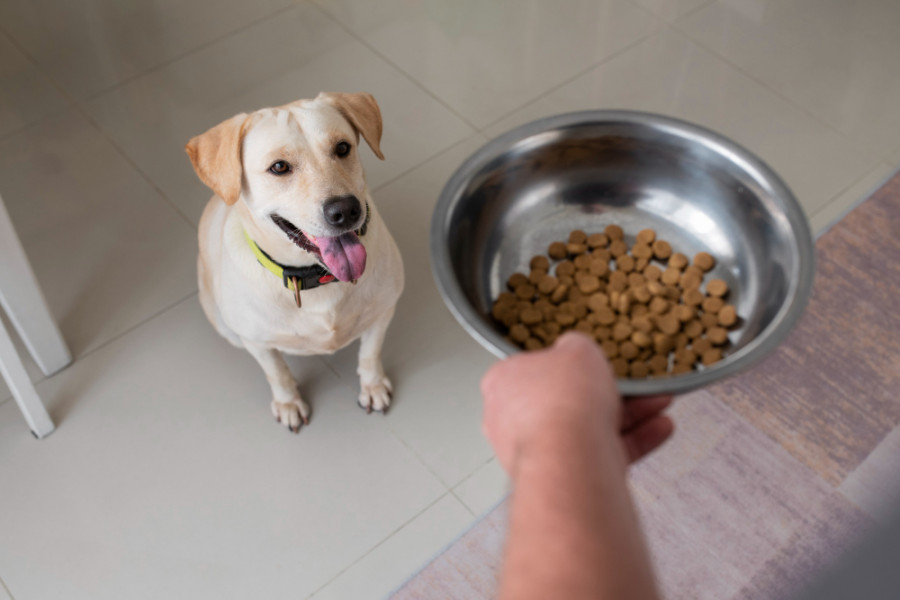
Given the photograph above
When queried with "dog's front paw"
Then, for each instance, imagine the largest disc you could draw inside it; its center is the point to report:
(292, 413)
(376, 395)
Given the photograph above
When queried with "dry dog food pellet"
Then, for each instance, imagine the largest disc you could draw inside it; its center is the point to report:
(644, 307)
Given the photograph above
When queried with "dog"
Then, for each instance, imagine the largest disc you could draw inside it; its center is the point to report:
(294, 257)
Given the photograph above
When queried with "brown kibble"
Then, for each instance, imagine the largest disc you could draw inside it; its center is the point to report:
(610, 349)
(620, 367)
(582, 263)
(678, 261)
(539, 262)
(693, 269)
(655, 288)
(668, 324)
(618, 281)
(641, 293)
(690, 281)
(709, 320)
(565, 268)
(693, 297)
(506, 298)
(717, 335)
(684, 313)
(639, 310)
(704, 261)
(531, 316)
(510, 318)
(659, 364)
(557, 250)
(516, 279)
(602, 254)
(712, 305)
(671, 276)
(547, 284)
(600, 268)
(681, 341)
(565, 319)
(566, 280)
(701, 345)
(625, 263)
(642, 324)
(618, 248)
(711, 356)
(526, 291)
(602, 334)
(519, 333)
(686, 356)
(717, 287)
(662, 343)
(533, 344)
(636, 279)
(652, 273)
(614, 232)
(606, 316)
(681, 368)
(621, 331)
(578, 237)
(641, 339)
(642, 251)
(727, 315)
(646, 236)
(661, 249)
(639, 370)
(576, 249)
(587, 283)
(623, 304)
(658, 305)
(580, 309)
(641, 264)
(694, 329)
(536, 275)
(584, 327)
(597, 240)
(559, 293)
(598, 301)
(628, 350)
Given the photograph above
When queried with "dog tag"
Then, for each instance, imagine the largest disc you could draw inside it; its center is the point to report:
(296, 291)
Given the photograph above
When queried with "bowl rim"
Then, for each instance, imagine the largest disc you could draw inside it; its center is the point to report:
(800, 286)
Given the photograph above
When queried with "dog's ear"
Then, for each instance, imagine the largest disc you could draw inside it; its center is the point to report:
(216, 156)
(362, 112)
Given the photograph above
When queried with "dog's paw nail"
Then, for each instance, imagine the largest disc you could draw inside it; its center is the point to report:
(369, 409)
(305, 420)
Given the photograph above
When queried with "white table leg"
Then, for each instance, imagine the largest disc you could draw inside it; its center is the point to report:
(21, 296)
(17, 379)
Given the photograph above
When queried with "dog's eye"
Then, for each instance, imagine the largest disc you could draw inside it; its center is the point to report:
(342, 149)
(280, 168)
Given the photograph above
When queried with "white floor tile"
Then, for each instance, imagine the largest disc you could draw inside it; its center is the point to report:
(390, 564)
(168, 477)
(670, 75)
(434, 365)
(894, 159)
(834, 211)
(874, 485)
(672, 9)
(485, 59)
(25, 94)
(107, 250)
(295, 55)
(836, 59)
(89, 47)
(484, 488)
(4, 594)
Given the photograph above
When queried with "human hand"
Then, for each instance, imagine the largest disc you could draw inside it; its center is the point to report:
(568, 390)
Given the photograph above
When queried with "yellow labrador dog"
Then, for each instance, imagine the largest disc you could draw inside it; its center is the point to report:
(293, 255)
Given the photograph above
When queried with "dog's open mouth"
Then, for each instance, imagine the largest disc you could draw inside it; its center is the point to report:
(344, 255)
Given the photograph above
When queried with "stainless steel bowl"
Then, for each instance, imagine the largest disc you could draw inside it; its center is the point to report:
(698, 190)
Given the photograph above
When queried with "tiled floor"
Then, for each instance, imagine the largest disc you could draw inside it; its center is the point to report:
(167, 476)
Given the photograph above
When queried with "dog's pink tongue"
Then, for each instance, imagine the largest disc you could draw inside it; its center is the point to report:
(344, 255)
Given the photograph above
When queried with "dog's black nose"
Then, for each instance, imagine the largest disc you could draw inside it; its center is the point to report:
(342, 210)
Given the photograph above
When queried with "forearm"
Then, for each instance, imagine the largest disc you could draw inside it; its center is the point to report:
(573, 530)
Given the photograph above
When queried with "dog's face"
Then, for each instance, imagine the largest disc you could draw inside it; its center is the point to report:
(297, 170)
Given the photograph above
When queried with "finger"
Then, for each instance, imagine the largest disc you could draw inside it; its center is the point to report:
(637, 410)
(647, 437)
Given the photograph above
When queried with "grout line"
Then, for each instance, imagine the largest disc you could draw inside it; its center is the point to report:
(466, 506)
(868, 193)
(641, 40)
(6, 589)
(377, 545)
(820, 120)
(408, 76)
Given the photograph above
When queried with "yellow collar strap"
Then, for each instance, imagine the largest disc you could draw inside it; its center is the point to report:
(294, 278)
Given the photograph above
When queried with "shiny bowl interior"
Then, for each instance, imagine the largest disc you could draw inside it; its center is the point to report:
(698, 190)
